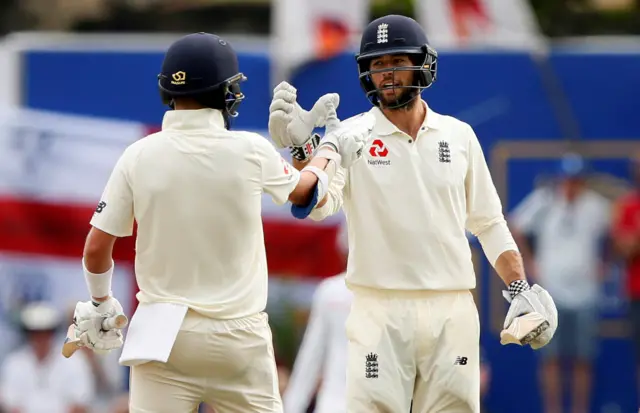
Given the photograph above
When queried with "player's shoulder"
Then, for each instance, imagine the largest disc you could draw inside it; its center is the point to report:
(358, 119)
(252, 139)
(542, 195)
(134, 148)
(598, 200)
(453, 125)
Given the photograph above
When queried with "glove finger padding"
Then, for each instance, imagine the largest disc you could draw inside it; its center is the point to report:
(278, 124)
(285, 87)
(537, 300)
(325, 109)
(88, 319)
(285, 97)
(102, 342)
(550, 313)
(281, 105)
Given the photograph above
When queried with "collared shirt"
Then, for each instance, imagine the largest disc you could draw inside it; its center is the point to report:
(323, 352)
(408, 203)
(568, 242)
(195, 191)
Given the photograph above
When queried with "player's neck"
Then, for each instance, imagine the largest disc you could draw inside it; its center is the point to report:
(187, 104)
(409, 119)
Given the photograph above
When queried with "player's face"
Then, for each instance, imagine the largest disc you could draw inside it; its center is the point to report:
(392, 81)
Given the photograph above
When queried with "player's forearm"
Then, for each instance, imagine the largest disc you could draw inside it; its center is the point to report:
(299, 165)
(306, 187)
(510, 267)
(97, 251)
(98, 263)
(525, 251)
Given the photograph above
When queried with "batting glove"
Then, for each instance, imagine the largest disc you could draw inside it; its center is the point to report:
(290, 126)
(526, 300)
(347, 140)
(88, 317)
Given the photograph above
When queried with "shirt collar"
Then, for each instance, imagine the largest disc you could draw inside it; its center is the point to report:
(193, 119)
(385, 127)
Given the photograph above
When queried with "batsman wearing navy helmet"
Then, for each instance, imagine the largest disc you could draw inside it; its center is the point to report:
(420, 185)
(199, 333)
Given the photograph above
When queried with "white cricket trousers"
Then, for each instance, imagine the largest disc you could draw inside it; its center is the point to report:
(413, 345)
(229, 364)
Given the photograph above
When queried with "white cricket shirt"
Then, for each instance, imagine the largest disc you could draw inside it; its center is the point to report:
(407, 204)
(323, 352)
(195, 191)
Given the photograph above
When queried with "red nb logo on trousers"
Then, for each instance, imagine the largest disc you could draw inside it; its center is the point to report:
(378, 149)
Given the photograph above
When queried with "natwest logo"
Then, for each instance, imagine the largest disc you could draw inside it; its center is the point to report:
(378, 149)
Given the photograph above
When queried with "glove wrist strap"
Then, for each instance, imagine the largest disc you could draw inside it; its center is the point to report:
(518, 286)
(304, 152)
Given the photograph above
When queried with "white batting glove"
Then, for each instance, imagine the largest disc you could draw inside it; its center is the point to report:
(527, 303)
(349, 141)
(88, 319)
(290, 126)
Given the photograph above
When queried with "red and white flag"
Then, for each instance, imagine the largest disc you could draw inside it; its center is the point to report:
(510, 24)
(305, 30)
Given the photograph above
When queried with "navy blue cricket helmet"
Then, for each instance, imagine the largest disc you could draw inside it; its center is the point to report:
(396, 35)
(204, 67)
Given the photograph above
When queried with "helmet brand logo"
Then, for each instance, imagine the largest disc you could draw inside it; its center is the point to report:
(178, 78)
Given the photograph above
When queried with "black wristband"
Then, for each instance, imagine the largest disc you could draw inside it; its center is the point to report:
(518, 286)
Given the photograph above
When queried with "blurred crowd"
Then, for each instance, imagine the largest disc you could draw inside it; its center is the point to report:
(571, 236)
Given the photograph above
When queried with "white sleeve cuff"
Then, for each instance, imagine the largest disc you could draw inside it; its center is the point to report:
(495, 240)
(99, 285)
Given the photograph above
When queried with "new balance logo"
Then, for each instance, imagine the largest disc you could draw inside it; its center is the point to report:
(371, 366)
(444, 153)
(100, 207)
(460, 361)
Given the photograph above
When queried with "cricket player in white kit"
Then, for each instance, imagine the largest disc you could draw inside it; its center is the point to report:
(413, 329)
(322, 356)
(194, 189)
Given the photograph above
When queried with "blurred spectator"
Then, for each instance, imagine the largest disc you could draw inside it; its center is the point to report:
(322, 357)
(36, 378)
(626, 233)
(568, 223)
